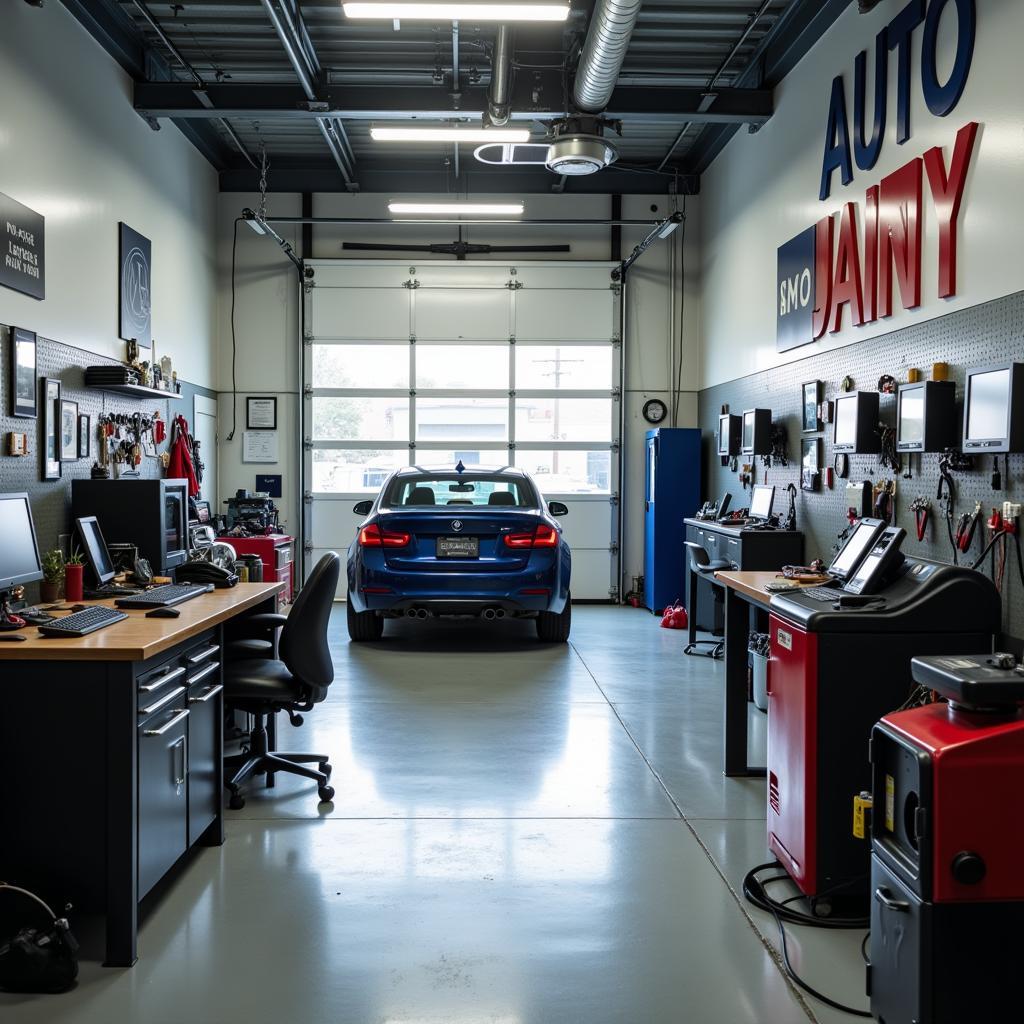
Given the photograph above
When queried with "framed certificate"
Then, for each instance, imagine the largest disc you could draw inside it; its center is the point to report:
(260, 413)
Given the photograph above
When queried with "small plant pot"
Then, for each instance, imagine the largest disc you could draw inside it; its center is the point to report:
(49, 592)
(73, 582)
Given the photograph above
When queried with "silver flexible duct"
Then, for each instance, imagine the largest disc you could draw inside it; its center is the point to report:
(500, 93)
(603, 53)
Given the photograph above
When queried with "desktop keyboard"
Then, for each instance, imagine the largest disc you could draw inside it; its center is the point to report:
(163, 597)
(822, 593)
(83, 622)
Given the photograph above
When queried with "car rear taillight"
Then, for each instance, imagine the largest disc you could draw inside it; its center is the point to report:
(373, 536)
(543, 537)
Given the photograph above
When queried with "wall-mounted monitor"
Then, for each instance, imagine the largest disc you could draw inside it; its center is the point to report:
(757, 432)
(993, 417)
(855, 423)
(926, 416)
(729, 428)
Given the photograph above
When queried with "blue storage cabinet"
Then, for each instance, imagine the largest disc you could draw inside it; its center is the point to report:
(672, 492)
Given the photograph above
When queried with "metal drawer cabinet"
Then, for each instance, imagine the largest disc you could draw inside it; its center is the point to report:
(162, 793)
(205, 722)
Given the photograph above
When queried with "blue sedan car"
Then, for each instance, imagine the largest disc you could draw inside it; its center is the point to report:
(477, 542)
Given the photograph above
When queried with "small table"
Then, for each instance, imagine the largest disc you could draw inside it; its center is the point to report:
(743, 590)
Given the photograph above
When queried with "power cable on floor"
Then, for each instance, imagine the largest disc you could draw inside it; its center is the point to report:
(755, 892)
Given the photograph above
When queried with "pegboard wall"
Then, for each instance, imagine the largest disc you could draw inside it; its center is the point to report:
(51, 499)
(989, 333)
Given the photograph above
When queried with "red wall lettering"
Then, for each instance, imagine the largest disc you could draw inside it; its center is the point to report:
(846, 285)
(824, 233)
(899, 236)
(947, 193)
(871, 254)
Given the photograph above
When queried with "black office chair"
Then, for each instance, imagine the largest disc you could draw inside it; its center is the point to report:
(702, 565)
(296, 682)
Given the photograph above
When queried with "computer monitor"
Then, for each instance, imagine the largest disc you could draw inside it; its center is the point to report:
(846, 421)
(723, 503)
(19, 552)
(855, 548)
(96, 553)
(762, 497)
(992, 418)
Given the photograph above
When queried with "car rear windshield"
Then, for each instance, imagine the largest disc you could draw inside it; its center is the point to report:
(474, 492)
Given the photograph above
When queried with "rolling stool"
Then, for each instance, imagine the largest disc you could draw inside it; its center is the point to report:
(701, 565)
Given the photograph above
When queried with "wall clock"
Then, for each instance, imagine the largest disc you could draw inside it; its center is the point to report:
(655, 410)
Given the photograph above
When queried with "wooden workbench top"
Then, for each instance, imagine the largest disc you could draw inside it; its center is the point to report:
(138, 638)
(750, 583)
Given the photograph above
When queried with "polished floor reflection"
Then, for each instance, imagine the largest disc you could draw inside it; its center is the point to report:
(522, 834)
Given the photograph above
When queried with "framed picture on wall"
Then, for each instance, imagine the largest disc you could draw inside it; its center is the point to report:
(260, 413)
(23, 373)
(811, 400)
(810, 463)
(135, 313)
(68, 431)
(50, 389)
(84, 435)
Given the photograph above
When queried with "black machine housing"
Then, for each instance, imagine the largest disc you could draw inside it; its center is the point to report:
(757, 432)
(926, 418)
(730, 430)
(855, 423)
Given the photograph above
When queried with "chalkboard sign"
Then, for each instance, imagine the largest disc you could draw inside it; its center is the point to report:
(23, 267)
(136, 265)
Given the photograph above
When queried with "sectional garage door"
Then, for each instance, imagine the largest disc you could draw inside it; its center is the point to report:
(491, 364)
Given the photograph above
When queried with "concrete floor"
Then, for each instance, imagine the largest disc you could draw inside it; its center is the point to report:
(522, 834)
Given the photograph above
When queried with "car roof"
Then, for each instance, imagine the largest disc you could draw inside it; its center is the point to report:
(474, 471)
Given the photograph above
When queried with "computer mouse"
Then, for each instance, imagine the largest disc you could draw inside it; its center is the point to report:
(12, 637)
(79, 607)
(163, 613)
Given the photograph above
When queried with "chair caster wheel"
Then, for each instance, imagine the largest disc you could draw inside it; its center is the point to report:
(326, 794)
(236, 803)
(325, 768)
(296, 720)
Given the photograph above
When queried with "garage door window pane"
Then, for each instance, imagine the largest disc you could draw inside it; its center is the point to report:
(461, 420)
(349, 471)
(462, 366)
(583, 472)
(467, 455)
(563, 419)
(361, 366)
(360, 419)
(587, 367)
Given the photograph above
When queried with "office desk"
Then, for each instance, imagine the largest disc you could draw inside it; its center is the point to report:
(743, 591)
(111, 749)
(746, 548)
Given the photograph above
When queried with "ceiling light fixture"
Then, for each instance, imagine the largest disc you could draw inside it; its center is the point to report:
(386, 10)
(448, 133)
(497, 209)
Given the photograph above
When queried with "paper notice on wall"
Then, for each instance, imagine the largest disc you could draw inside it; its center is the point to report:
(259, 446)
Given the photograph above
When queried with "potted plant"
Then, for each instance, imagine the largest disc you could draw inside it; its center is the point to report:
(53, 575)
(73, 569)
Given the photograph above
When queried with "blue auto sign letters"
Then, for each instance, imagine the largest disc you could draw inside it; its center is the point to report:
(795, 292)
(22, 266)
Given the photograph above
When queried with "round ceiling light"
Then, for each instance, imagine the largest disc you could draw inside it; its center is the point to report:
(579, 154)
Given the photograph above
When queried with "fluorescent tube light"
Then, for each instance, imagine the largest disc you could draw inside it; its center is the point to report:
(385, 10)
(500, 209)
(447, 133)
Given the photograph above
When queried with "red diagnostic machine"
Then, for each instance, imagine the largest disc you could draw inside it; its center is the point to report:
(947, 837)
(840, 660)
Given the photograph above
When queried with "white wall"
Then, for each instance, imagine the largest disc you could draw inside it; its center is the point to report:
(763, 189)
(73, 149)
(266, 318)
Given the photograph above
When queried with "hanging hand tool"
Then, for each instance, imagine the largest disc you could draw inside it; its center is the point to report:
(966, 527)
(921, 507)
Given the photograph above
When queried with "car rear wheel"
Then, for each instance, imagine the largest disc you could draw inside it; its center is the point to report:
(363, 625)
(553, 628)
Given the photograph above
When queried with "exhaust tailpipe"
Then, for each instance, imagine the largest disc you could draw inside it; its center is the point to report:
(422, 613)
(499, 613)
(410, 613)
(488, 614)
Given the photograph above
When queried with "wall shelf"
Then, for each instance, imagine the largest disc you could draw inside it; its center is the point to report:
(134, 390)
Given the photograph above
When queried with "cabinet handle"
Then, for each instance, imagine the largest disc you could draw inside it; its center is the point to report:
(887, 899)
(194, 659)
(162, 701)
(178, 775)
(209, 695)
(179, 717)
(192, 680)
(162, 681)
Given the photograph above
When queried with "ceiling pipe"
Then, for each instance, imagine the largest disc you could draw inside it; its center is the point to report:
(654, 225)
(611, 26)
(499, 94)
(302, 67)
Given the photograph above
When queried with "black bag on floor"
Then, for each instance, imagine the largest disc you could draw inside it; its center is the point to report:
(38, 953)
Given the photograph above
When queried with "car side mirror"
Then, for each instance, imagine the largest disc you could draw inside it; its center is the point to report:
(363, 508)
(558, 508)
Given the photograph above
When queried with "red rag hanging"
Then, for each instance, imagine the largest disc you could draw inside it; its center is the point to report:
(180, 466)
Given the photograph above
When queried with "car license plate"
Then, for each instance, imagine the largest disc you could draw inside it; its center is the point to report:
(458, 547)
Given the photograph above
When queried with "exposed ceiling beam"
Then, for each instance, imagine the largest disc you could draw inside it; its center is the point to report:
(536, 96)
(797, 29)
